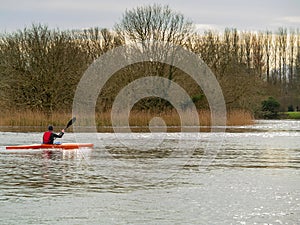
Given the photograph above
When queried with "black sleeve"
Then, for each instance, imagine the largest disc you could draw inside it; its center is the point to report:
(58, 135)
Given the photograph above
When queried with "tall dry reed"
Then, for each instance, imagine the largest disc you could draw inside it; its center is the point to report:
(239, 117)
(236, 117)
(33, 118)
(137, 118)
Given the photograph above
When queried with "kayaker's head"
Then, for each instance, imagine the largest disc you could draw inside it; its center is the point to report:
(50, 128)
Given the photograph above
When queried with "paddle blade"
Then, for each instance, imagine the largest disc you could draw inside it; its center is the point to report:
(71, 122)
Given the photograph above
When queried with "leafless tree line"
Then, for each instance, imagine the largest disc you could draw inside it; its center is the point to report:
(40, 68)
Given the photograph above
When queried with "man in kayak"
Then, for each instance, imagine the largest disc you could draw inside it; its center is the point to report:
(49, 136)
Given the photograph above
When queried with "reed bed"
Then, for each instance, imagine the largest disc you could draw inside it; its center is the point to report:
(33, 118)
(28, 118)
(239, 117)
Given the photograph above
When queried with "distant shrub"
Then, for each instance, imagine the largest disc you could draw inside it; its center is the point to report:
(291, 108)
(270, 108)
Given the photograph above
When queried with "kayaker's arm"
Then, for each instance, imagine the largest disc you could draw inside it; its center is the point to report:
(58, 135)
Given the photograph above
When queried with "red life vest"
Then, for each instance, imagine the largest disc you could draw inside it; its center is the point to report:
(46, 137)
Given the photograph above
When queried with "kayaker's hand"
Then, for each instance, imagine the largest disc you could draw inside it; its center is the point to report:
(63, 130)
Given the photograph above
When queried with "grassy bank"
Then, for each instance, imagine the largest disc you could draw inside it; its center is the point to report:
(292, 115)
(40, 120)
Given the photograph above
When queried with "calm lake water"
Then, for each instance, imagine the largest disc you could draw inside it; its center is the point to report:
(249, 175)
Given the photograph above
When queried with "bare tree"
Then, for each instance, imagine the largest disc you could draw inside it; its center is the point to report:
(247, 43)
(275, 60)
(257, 55)
(291, 63)
(155, 22)
(267, 51)
(42, 68)
(297, 63)
(96, 41)
(145, 24)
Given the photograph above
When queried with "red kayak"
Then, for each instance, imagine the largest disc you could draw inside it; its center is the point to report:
(51, 146)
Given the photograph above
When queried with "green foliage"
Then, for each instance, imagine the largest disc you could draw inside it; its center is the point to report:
(270, 108)
(197, 98)
(293, 115)
(291, 108)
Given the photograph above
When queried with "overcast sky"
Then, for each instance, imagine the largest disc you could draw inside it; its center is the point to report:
(215, 14)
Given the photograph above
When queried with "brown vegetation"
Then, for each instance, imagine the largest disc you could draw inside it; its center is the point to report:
(38, 121)
(40, 68)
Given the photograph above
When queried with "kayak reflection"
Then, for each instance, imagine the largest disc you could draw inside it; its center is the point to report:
(82, 154)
